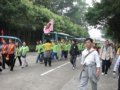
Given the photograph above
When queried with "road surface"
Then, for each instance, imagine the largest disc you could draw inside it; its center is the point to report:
(60, 76)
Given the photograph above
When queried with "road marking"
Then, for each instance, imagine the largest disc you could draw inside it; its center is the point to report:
(54, 69)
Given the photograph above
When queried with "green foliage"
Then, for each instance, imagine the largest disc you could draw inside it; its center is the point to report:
(26, 15)
(107, 14)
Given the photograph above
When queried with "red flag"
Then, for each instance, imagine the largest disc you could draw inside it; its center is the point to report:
(49, 27)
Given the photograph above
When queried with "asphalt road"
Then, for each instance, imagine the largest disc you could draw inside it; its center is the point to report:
(60, 76)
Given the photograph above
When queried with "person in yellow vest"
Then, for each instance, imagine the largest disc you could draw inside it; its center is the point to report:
(11, 54)
(24, 50)
(47, 52)
(4, 53)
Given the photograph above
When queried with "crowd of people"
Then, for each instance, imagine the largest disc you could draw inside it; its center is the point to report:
(91, 57)
(47, 52)
(10, 52)
(58, 50)
(91, 60)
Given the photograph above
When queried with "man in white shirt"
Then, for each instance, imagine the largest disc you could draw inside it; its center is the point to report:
(91, 66)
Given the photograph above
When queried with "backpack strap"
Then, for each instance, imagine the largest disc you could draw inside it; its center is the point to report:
(88, 54)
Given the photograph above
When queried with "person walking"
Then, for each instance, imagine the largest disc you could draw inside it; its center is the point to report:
(24, 50)
(117, 67)
(18, 54)
(74, 51)
(66, 49)
(55, 50)
(47, 52)
(62, 46)
(106, 55)
(11, 54)
(90, 66)
(4, 49)
(40, 50)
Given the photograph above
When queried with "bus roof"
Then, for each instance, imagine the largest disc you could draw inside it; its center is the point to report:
(62, 34)
(11, 37)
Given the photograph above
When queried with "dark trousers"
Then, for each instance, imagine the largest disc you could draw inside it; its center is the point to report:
(4, 61)
(105, 66)
(119, 83)
(110, 63)
(0, 67)
(19, 58)
(73, 60)
(11, 61)
(47, 60)
(65, 54)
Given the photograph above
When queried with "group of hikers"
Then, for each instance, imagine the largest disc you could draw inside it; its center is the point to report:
(48, 51)
(10, 52)
(91, 57)
(58, 50)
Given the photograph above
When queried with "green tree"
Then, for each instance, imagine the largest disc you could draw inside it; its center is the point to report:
(26, 15)
(106, 14)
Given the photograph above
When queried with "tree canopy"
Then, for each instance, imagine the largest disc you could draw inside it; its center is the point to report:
(107, 14)
(27, 15)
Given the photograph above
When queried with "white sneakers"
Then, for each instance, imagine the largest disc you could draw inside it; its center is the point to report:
(104, 74)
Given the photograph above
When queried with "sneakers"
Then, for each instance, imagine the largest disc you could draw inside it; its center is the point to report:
(73, 68)
(103, 74)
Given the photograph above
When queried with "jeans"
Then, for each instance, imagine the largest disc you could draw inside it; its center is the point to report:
(54, 54)
(40, 57)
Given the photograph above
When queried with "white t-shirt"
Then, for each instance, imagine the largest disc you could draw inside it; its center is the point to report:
(91, 58)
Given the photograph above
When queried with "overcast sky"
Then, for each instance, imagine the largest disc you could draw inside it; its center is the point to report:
(94, 33)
